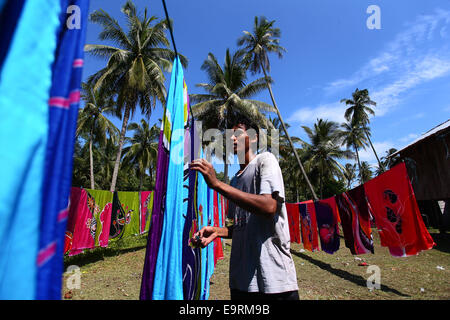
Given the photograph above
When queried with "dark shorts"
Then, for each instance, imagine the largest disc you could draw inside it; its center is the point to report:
(242, 295)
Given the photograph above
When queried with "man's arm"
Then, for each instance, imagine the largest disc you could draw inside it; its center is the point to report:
(261, 204)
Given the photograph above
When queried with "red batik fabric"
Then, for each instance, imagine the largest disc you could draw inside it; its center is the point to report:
(218, 250)
(397, 215)
(293, 214)
(308, 225)
(327, 223)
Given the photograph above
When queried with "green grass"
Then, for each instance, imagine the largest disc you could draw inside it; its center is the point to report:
(114, 273)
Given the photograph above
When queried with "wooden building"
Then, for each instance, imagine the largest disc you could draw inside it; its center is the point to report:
(428, 162)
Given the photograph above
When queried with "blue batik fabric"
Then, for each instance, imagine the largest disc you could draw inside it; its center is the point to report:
(168, 282)
(25, 83)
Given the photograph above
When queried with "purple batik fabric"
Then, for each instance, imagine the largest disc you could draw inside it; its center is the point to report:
(154, 234)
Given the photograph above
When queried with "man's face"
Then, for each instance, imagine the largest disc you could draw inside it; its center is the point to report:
(242, 140)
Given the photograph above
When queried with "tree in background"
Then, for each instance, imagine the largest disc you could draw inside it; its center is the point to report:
(134, 74)
(257, 46)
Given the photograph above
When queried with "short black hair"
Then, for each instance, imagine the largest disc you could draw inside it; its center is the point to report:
(239, 118)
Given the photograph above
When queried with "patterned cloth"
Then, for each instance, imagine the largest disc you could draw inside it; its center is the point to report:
(397, 214)
(293, 214)
(102, 208)
(355, 221)
(168, 283)
(25, 82)
(327, 222)
(145, 209)
(308, 225)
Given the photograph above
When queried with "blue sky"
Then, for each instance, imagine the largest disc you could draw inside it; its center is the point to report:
(405, 65)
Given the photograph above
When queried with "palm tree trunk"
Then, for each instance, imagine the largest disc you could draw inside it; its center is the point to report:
(373, 149)
(359, 163)
(289, 138)
(119, 153)
(91, 164)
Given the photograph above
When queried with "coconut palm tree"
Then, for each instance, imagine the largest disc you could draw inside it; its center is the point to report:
(143, 150)
(352, 136)
(350, 174)
(323, 151)
(358, 113)
(365, 172)
(92, 124)
(228, 95)
(134, 74)
(257, 46)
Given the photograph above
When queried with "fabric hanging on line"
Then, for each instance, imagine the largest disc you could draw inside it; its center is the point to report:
(202, 207)
(74, 202)
(85, 226)
(25, 82)
(293, 214)
(191, 255)
(102, 208)
(210, 248)
(145, 210)
(308, 225)
(355, 221)
(168, 283)
(63, 103)
(117, 225)
(218, 250)
(154, 235)
(327, 223)
(397, 215)
(129, 202)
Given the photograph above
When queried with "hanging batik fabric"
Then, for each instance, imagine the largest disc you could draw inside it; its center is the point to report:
(308, 225)
(327, 223)
(397, 215)
(168, 282)
(146, 204)
(129, 203)
(202, 207)
(102, 208)
(63, 103)
(85, 226)
(191, 254)
(355, 220)
(218, 251)
(293, 214)
(25, 83)
(74, 202)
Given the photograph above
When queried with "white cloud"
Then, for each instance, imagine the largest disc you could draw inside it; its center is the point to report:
(409, 60)
(331, 112)
(408, 138)
(380, 148)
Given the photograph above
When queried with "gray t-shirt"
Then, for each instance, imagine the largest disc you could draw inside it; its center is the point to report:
(260, 252)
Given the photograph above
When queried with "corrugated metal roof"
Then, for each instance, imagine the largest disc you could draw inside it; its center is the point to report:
(430, 132)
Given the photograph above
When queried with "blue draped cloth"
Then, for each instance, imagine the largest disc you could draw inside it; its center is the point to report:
(25, 82)
(63, 107)
(168, 282)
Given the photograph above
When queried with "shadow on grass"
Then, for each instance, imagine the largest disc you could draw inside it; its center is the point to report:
(98, 254)
(358, 280)
(442, 241)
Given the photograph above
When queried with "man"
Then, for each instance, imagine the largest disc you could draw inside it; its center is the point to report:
(261, 266)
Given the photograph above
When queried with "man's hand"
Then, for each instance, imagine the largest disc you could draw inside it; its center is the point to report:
(204, 237)
(207, 169)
